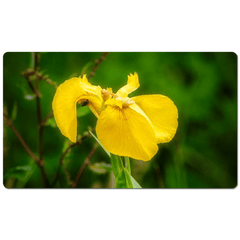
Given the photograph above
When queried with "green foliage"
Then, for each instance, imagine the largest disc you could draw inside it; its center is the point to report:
(124, 180)
(122, 171)
(135, 183)
(117, 164)
(21, 174)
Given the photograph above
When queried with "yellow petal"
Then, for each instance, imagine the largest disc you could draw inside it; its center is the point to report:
(89, 88)
(125, 132)
(132, 85)
(114, 102)
(94, 104)
(64, 104)
(163, 114)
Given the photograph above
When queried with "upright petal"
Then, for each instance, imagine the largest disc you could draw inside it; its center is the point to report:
(64, 104)
(125, 132)
(132, 85)
(163, 114)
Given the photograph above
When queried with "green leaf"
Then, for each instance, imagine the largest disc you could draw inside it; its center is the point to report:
(21, 173)
(100, 168)
(51, 122)
(22, 182)
(128, 178)
(120, 180)
(82, 111)
(108, 153)
(127, 164)
(124, 179)
(14, 111)
(135, 183)
(18, 172)
(117, 164)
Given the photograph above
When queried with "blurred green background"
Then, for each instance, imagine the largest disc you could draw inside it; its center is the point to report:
(203, 86)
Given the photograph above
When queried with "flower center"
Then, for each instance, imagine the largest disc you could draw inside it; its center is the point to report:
(115, 100)
(106, 94)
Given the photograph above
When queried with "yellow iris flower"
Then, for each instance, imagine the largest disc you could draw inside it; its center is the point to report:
(126, 126)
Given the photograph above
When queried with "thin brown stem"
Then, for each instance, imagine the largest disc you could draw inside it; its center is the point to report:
(35, 89)
(27, 76)
(67, 174)
(86, 162)
(97, 62)
(39, 118)
(38, 105)
(19, 136)
(49, 81)
(60, 163)
(36, 58)
(32, 72)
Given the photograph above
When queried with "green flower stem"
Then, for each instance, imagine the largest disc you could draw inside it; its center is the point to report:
(124, 179)
(117, 164)
(127, 164)
(122, 171)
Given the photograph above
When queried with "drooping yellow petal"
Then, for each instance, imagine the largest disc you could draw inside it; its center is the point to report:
(94, 104)
(64, 104)
(125, 132)
(132, 85)
(162, 113)
(89, 88)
